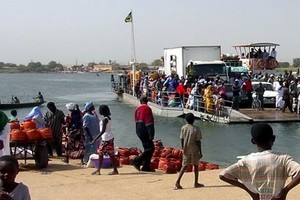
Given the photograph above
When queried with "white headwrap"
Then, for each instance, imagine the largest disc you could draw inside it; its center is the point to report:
(70, 106)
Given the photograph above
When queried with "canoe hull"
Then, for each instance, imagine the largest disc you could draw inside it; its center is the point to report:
(20, 105)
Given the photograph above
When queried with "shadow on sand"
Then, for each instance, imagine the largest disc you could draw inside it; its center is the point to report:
(52, 166)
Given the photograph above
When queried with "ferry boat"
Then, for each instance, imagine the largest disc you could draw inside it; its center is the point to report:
(164, 107)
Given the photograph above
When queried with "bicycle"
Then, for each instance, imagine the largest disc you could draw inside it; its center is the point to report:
(256, 103)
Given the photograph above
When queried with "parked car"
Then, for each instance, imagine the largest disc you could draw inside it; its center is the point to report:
(229, 94)
(269, 94)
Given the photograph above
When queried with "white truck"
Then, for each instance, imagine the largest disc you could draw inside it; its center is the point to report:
(179, 59)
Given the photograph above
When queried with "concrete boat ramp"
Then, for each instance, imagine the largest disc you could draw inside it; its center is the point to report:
(269, 115)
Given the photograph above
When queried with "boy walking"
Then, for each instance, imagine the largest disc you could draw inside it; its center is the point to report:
(190, 137)
(263, 174)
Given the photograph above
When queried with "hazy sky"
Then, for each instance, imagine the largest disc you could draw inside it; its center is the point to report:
(67, 31)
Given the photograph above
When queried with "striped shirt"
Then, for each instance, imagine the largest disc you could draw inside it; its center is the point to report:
(264, 172)
(55, 121)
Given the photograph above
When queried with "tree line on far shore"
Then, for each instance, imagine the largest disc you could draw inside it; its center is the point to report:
(54, 66)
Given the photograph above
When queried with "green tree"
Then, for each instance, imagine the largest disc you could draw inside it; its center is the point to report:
(284, 64)
(53, 65)
(157, 62)
(23, 68)
(35, 67)
(142, 66)
(296, 62)
(12, 65)
(2, 64)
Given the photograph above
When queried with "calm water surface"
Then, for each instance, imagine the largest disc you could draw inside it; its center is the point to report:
(222, 143)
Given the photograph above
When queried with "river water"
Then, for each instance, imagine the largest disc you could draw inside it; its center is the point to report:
(221, 143)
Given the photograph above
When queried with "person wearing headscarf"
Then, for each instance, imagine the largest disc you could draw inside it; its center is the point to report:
(13, 117)
(4, 135)
(74, 133)
(91, 129)
(208, 98)
(36, 115)
(55, 119)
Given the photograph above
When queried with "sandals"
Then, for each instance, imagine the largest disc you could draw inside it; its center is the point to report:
(65, 160)
(178, 187)
(198, 185)
(97, 172)
(113, 173)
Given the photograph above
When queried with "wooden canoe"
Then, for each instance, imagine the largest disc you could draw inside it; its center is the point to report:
(20, 105)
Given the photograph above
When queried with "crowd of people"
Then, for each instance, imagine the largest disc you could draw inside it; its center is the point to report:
(263, 179)
(210, 94)
(85, 133)
(76, 131)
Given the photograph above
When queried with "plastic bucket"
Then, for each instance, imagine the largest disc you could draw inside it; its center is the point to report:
(106, 163)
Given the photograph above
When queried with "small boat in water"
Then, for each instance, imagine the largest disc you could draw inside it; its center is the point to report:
(20, 105)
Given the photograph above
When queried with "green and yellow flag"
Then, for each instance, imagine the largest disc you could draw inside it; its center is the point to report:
(128, 18)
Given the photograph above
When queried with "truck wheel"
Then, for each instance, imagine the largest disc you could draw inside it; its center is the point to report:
(41, 156)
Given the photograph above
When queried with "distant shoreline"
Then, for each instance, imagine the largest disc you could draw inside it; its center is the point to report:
(62, 72)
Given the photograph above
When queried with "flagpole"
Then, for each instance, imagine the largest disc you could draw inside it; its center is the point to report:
(129, 18)
(133, 62)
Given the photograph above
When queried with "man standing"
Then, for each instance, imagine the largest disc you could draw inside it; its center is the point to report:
(248, 91)
(260, 93)
(144, 123)
(54, 119)
(286, 98)
(236, 88)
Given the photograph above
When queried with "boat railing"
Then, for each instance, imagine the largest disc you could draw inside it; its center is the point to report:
(215, 106)
(218, 107)
(120, 87)
(165, 98)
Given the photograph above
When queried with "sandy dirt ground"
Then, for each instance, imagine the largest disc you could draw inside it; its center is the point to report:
(62, 181)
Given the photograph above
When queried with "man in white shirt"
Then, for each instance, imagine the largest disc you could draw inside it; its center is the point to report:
(273, 54)
(263, 174)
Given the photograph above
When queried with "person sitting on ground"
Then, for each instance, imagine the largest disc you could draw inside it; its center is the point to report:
(190, 137)
(13, 116)
(263, 174)
(10, 189)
